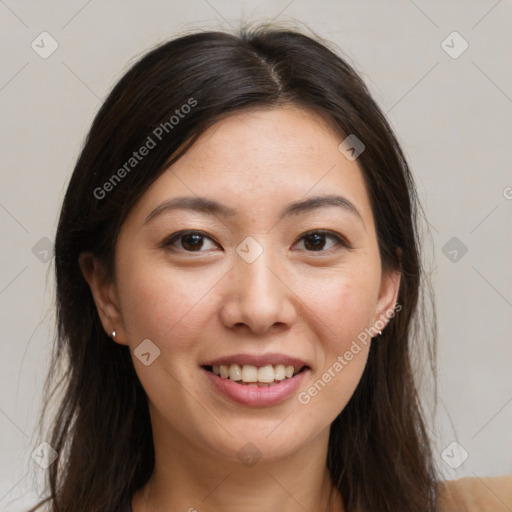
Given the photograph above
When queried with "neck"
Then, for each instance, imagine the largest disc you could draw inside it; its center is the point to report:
(189, 478)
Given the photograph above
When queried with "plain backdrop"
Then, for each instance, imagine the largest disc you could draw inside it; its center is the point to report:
(451, 109)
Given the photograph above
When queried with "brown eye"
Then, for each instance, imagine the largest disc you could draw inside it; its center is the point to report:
(316, 241)
(192, 242)
(189, 241)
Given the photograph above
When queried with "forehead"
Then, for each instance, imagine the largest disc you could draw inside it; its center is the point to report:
(257, 160)
(283, 144)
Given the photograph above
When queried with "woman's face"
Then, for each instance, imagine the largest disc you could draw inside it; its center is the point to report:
(260, 276)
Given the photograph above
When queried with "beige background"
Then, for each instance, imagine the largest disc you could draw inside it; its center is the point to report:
(452, 115)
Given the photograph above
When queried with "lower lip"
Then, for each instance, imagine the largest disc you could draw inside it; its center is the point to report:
(254, 395)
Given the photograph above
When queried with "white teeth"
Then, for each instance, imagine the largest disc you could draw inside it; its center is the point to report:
(266, 374)
(279, 372)
(253, 375)
(235, 372)
(249, 373)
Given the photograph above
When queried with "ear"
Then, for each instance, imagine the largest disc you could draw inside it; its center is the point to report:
(105, 296)
(387, 301)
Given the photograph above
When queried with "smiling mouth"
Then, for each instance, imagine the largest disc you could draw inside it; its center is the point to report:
(260, 376)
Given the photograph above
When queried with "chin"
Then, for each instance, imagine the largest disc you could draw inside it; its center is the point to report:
(265, 440)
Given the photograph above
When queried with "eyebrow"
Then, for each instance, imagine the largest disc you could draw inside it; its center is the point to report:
(214, 208)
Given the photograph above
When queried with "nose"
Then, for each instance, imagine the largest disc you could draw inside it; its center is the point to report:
(258, 298)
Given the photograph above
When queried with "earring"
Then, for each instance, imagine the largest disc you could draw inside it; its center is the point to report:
(380, 332)
(114, 335)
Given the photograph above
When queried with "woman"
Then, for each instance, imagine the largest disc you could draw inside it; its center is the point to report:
(238, 286)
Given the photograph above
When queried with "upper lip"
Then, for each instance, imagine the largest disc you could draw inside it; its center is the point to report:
(256, 360)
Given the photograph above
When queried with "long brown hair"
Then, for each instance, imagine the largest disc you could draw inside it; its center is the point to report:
(379, 455)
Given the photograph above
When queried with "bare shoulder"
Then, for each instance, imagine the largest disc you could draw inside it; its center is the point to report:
(476, 494)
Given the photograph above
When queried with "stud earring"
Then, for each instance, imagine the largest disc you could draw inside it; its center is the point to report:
(114, 335)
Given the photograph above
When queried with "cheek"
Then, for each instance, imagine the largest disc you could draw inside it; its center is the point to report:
(344, 308)
(343, 353)
(332, 387)
(163, 304)
(344, 304)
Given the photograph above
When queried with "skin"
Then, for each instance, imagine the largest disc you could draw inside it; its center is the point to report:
(199, 305)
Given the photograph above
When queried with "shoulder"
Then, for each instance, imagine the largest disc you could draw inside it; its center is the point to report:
(475, 494)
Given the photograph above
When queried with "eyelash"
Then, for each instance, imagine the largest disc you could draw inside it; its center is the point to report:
(167, 243)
